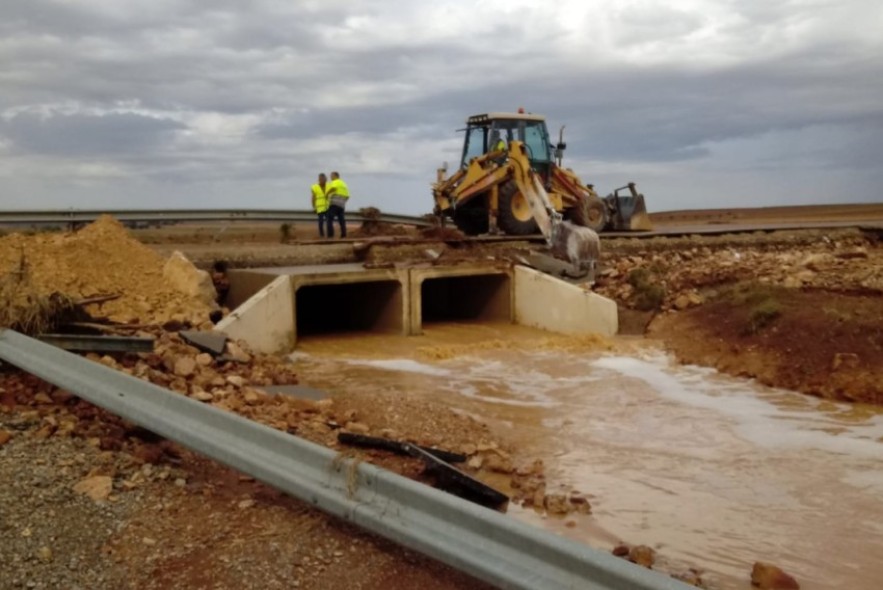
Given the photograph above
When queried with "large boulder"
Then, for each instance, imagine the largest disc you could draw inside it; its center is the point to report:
(181, 275)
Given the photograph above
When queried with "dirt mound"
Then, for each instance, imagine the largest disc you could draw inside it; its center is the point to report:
(374, 226)
(100, 259)
(821, 343)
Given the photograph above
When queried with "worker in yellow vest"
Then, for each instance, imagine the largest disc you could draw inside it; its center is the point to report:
(320, 202)
(338, 194)
(497, 143)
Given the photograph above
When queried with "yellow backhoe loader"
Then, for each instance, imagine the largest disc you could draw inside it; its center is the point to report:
(530, 207)
(506, 153)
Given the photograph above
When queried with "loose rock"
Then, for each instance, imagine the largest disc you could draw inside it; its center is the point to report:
(44, 554)
(203, 396)
(621, 550)
(642, 555)
(185, 366)
(767, 576)
(97, 487)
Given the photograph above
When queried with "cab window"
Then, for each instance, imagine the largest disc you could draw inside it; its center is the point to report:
(536, 140)
(475, 144)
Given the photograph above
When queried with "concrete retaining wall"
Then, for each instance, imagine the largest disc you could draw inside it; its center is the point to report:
(542, 301)
(266, 320)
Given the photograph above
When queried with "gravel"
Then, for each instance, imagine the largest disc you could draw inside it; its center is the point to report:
(50, 536)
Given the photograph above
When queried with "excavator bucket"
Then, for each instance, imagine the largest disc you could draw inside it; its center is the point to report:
(629, 211)
(567, 241)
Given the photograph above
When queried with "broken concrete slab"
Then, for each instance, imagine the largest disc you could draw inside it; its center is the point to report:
(211, 342)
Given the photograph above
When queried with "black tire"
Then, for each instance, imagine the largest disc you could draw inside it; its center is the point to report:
(590, 213)
(514, 216)
(472, 221)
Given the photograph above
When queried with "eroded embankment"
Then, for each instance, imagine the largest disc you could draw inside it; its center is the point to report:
(799, 310)
(817, 342)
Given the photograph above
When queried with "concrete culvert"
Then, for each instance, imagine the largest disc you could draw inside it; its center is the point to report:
(352, 307)
(475, 297)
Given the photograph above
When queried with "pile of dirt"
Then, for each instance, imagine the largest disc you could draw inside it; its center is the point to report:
(102, 259)
(374, 226)
(818, 342)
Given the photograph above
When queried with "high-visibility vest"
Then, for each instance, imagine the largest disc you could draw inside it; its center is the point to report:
(321, 199)
(501, 145)
(340, 188)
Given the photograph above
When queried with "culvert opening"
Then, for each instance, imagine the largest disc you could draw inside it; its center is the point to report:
(351, 307)
(472, 298)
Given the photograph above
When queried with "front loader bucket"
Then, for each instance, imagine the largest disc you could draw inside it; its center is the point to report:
(630, 211)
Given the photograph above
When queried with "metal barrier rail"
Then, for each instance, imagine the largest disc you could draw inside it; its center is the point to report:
(481, 542)
(281, 215)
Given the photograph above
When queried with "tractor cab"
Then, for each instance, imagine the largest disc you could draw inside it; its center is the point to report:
(488, 132)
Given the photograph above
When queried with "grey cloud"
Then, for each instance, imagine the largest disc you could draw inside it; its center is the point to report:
(664, 115)
(113, 135)
(645, 24)
(271, 60)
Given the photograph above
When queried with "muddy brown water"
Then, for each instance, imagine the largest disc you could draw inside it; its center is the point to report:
(712, 471)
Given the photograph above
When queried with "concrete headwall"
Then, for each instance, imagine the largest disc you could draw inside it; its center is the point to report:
(265, 320)
(542, 301)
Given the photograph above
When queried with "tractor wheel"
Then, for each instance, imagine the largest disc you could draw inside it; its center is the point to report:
(472, 221)
(515, 217)
(590, 213)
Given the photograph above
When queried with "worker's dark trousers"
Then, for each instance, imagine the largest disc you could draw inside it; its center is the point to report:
(336, 211)
(323, 219)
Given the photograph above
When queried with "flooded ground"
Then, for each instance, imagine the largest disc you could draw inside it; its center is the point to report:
(714, 472)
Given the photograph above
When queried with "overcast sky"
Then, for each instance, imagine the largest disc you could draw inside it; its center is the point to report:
(170, 103)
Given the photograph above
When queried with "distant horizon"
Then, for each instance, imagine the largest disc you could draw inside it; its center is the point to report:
(858, 204)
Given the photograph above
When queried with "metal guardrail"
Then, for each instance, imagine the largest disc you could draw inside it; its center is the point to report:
(481, 542)
(169, 216)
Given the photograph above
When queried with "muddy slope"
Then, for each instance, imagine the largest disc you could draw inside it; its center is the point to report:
(821, 343)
